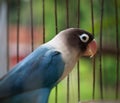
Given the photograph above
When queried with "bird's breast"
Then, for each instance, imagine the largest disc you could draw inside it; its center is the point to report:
(68, 68)
(69, 55)
(70, 60)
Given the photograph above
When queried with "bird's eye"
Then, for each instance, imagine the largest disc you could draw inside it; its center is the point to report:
(84, 38)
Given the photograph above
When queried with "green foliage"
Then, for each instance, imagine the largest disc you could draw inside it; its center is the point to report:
(110, 71)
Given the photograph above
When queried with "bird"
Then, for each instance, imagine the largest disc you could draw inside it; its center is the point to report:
(33, 78)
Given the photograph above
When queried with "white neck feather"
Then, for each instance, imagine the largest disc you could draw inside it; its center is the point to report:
(69, 55)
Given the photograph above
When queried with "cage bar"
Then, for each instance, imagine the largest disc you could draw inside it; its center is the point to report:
(100, 51)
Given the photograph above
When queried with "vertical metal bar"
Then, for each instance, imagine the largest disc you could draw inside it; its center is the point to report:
(67, 13)
(78, 64)
(31, 15)
(78, 74)
(56, 94)
(43, 4)
(56, 30)
(100, 52)
(56, 23)
(68, 89)
(117, 47)
(8, 35)
(78, 12)
(67, 25)
(94, 76)
(18, 28)
(93, 60)
(92, 16)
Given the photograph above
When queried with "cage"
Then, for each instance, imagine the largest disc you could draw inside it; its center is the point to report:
(26, 24)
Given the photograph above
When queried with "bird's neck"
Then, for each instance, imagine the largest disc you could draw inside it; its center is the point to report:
(69, 55)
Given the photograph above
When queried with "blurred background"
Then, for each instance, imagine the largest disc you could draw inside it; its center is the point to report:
(26, 24)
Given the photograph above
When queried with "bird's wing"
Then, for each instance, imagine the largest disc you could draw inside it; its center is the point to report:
(41, 69)
(35, 96)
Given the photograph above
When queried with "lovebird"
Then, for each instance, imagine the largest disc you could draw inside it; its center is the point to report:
(32, 79)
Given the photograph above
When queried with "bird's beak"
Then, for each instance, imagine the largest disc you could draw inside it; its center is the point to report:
(91, 49)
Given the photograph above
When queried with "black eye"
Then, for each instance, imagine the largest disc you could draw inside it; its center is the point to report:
(84, 38)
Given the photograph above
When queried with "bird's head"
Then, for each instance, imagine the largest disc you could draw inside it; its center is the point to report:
(81, 41)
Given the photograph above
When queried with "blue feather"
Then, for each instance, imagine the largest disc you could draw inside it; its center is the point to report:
(41, 69)
(36, 96)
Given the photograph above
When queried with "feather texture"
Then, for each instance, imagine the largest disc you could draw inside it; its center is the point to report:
(34, 72)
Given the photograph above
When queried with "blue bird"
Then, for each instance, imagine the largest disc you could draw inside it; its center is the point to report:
(32, 79)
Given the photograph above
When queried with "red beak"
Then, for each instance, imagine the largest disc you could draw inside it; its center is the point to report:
(91, 49)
